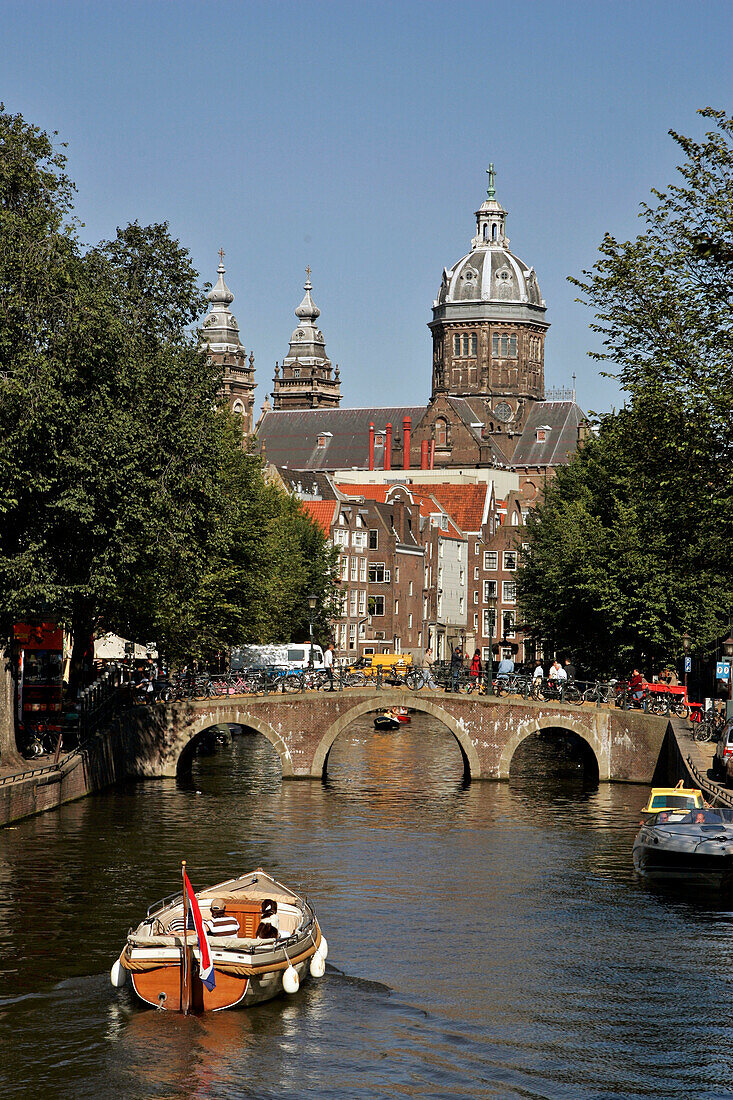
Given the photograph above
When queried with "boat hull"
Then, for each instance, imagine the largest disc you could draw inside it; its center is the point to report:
(685, 855)
(162, 988)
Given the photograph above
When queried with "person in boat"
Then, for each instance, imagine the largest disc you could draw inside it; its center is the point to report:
(221, 924)
(268, 926)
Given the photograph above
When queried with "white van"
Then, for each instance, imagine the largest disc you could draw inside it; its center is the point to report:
(294, 655)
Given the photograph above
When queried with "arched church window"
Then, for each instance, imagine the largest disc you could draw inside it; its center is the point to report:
(473, 343)
(504, 346)
(513, 347)
(465, 345)
(494, 231)
(495, 345)
(456, 345)
(238, 407)
(486, 232)
(441, 433)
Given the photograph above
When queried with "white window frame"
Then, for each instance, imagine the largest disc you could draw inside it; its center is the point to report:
(491, 560)
(506, 558)
(508, 591)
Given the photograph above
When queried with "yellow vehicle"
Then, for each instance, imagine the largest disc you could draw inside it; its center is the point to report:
(672, 798)
(388, 662)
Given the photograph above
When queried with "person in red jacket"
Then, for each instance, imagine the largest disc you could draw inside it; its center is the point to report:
(476, 664)
(637, 683)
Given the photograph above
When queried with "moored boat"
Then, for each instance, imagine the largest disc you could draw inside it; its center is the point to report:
(238, 943)
(693, 848)
(672, 799)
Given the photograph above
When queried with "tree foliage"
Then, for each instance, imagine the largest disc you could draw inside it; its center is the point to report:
(631, 546)
(128, 500)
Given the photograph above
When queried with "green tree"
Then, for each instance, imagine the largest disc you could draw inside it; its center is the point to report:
(129, 501)
(630, 547)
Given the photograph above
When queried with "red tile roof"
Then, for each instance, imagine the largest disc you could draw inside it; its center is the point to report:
(321, 512)
(464, 503)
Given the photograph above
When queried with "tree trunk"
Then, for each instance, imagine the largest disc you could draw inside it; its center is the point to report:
(9, 755)
(82, 654)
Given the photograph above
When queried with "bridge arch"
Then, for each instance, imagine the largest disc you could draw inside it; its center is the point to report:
(471, 761)
(241, 717)
(587, 732)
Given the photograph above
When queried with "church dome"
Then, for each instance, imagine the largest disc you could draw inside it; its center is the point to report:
(221, 331)
(489, 273)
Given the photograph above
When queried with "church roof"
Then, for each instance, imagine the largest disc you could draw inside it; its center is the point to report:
(329, 439)
(550, 436)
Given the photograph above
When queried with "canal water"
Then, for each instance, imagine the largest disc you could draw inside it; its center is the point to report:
(488, 940)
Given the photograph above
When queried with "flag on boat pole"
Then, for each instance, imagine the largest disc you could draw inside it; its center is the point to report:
(206, 968)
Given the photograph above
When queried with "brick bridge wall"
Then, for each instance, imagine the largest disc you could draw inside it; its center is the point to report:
(302, 729)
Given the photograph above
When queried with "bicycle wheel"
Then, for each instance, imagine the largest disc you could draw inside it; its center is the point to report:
(572, 694)
(292, 683)
(590, 695)
(681, 709)
(415, 679)
(702, 733)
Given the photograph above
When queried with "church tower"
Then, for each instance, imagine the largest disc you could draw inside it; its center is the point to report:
(489, 327)
(221, 341)
(307, 380)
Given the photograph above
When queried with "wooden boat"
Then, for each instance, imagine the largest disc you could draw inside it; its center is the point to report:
(251, 962)
(386, 721)
(692, 848)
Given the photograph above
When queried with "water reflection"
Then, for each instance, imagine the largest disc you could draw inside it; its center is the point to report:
(489, 940)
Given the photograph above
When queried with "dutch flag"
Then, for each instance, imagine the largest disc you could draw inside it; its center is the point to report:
(206, 968)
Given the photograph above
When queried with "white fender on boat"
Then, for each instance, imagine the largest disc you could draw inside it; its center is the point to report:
(317, 965)
(323, 947)
(291, 981)
(118, 974)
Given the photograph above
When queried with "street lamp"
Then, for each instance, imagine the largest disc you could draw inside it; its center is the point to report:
(491, 601)
(686, 643)
(312, 601)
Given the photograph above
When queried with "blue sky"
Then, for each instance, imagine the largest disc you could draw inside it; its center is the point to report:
(354, 137)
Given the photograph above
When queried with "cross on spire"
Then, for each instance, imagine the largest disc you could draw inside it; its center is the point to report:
(491, 192)
(222, 254)
(308, 273)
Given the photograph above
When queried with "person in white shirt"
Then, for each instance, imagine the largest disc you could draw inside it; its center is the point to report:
(557, 672)
(539, 673)
(328, 664)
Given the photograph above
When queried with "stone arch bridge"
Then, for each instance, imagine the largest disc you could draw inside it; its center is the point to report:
(302, 729)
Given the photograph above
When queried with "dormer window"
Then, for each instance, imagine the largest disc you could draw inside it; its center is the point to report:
(321, 441)
(542, 433)
(296, 372)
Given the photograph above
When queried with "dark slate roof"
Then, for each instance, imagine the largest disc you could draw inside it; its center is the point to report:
(468, 416)
(309, 484)
(290, 437)
(562, 418)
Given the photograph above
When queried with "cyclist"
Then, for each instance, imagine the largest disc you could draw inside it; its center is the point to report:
(505, 669)
(637, 684)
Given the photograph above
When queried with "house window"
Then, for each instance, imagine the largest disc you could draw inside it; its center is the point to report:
(475, 596)
(489, 618)
(341, 538)
(460, 551)
(461, 605)
(296, 372)
(362, 602)
(352, 602)
(342, 519)
(440, 548)
(362, 569)
(425, 607)
(475, 623)
(462, 577)
(376, 605)
(507, 653)
(373, 540)
(510, 560)
(441, 433)
(507, 624)
(490, 592)
(359, 540)
(440, 606)
(491, 559)
(476, 573)
(397, 607)
(344, 565)
(352, 635)
(397, 575)
(509, 592)
(378, 574)
(409, 589)
(359, 520)
(354, 568)
(409, 622)
(486, 654)
(419, 639)
(476, 547)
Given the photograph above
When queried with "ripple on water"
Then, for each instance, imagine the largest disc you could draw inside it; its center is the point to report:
(489, 940)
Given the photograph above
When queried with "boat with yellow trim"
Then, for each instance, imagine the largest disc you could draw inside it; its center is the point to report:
(264, 940)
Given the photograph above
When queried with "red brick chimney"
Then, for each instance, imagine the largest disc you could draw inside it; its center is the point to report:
(424, 454)
(388, 448)
(371, 446)
(431, 465)
(406, 429)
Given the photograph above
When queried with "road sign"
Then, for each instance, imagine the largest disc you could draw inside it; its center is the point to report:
(688, 664)
(722, 670)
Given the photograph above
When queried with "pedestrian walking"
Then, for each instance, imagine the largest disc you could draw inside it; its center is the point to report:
(476, 665)
(328, 664)
(569, 669)
(428, 663)
(456, 668)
